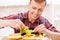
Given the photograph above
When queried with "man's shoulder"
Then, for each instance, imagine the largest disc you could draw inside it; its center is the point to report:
(22, 15)
(42, 18)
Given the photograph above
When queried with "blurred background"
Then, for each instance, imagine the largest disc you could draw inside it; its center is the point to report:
(51, 12)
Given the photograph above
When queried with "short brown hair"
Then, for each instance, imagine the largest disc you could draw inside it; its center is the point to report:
(39, 1)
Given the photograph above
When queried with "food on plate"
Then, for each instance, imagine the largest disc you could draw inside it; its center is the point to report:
(25, 34)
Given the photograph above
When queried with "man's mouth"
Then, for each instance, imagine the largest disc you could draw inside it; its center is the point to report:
(34, 17)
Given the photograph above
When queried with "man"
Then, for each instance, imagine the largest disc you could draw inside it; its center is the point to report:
(32, 18)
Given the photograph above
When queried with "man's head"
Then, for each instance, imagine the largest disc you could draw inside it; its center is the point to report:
(36, 8)
(39, 1)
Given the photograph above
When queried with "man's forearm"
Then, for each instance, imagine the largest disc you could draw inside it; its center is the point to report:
(52, 35)
(4, 23)
(15, 23)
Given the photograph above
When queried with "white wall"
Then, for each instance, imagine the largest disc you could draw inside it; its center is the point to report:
(8, 10)
(13, 2)
(56, 16)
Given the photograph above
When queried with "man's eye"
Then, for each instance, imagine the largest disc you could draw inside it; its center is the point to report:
(40, 10)
(34, 8)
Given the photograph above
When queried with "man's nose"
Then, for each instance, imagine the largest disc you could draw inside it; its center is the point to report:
(36, 12)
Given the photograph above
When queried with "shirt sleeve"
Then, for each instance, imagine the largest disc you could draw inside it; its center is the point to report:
(13, 16)
(49, 26)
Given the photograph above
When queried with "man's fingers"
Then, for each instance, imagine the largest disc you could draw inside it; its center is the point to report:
(21, 24)
(41, 29)
(37, 28)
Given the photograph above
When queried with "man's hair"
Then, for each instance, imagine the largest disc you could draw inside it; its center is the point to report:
(39, 1)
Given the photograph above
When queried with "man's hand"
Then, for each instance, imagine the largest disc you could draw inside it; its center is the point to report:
(40, 28)
(17, 24)
(14, 23)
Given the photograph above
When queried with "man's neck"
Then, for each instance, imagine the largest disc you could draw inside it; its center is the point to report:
(32, 21)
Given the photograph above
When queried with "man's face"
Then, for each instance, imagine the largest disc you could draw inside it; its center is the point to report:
(35, 9)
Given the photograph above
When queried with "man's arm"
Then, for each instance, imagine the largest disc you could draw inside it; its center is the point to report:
(13, 16)
(15, 23)
(52, 35)
(11, 20)
(49, 26)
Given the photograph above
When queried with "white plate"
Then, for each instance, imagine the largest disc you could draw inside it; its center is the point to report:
(6, 31)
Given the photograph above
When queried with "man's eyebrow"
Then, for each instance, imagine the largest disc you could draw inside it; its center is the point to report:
(39, 1)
